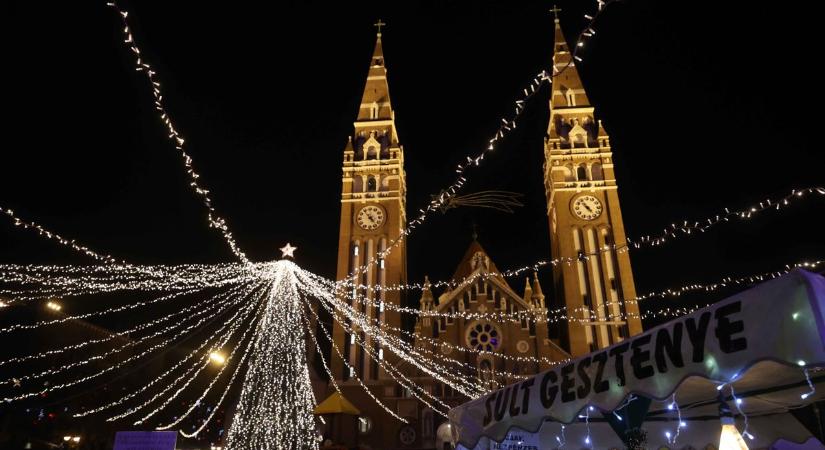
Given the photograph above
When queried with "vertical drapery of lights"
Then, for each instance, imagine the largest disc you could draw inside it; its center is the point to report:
(215, 220)
(276, 402)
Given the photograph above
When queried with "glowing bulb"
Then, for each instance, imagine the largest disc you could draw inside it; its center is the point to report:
(54, 306)
(67, 438)
(587, 440)
(217, 358)
(76, 439)
(801, 363)
(682, 424)
(738, 401)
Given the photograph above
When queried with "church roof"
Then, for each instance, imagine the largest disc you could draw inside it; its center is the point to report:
(468, 268)
(465, 267)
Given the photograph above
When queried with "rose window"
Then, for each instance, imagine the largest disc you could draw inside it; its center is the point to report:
(484, 336)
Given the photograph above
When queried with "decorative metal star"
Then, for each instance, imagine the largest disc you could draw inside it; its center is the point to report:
(288, 251)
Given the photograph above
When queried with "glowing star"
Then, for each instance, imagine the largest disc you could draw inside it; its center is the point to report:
(16, 382)
(288, 251)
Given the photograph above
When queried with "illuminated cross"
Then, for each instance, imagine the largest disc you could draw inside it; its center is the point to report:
(288, 251)
(555, 12)
(378, 25)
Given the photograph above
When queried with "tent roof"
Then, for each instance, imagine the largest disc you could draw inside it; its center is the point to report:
(757, 344)
(336, 404)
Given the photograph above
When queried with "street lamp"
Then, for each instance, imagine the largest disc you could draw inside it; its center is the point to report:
(55, 307)
(217, 358)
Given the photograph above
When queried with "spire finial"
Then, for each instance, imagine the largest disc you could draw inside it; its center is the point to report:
(555, 10)
(378, 25)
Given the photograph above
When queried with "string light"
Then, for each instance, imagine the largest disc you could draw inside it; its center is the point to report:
(215, 221)
(71, 243)
(738, 402)
(679, 423)
(233, 326)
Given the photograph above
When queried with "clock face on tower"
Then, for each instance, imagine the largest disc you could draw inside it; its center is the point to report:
(370, 217)
(587, 207)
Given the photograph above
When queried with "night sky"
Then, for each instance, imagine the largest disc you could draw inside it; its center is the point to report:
(706, 105)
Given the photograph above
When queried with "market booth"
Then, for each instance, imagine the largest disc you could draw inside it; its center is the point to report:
(727, 376)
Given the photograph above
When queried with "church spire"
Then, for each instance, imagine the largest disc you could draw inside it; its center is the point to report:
(375, 102)
(568, 90)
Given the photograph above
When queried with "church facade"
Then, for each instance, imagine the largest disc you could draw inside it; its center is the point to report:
(584, 221)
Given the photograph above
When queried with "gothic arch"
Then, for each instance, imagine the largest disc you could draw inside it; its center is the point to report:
(581, 172)
(596, 171)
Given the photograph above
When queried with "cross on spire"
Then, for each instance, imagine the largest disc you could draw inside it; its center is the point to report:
(555, 10)
(378, 25)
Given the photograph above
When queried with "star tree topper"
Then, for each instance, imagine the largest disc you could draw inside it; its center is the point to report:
(288, 251)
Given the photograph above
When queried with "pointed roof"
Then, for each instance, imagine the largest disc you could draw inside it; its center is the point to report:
(566, 74)
(376, 90)
(465, 267)
(426, 291)
(537, 286)
(336, 404)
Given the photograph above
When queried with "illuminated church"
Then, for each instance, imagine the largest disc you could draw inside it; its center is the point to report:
(584, 217)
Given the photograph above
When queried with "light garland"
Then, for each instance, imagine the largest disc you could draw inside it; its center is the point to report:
(231, 322)
(71, 243)
(215, 221)
(199, 366)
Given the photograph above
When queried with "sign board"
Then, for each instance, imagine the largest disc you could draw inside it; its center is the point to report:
(145, 440)
(782, 320)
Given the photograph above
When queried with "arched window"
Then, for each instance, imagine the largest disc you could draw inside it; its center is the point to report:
(371, 184)
(570, 96)
(596, 172)
(374, 110)
(569, 173)
(581, 173)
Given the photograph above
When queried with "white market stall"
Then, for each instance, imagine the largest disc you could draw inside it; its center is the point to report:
(756, 355)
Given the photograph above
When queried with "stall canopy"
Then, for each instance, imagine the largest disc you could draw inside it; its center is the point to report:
(336, 404)
(766, 343)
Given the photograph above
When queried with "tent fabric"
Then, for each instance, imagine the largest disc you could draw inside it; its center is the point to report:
(754, 344)
(769, 432)
(336, 404)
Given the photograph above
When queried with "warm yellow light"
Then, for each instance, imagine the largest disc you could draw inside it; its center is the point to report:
(731, 439)
(66, 438)
(3, 304)
(54, 306)
(217, 357)
(76, 439)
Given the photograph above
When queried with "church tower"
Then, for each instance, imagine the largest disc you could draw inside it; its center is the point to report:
(585, 216)
(373, 217)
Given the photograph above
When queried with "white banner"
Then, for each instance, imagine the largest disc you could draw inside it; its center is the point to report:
(780, 320)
